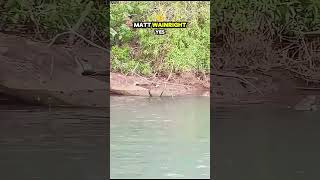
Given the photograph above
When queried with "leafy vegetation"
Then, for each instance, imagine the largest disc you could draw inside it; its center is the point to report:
(179, 50)
(283, 17)
(139, 51)
(43, 19)
(260, 35)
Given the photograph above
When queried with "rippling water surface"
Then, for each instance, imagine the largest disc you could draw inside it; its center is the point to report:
(160, 137)
(266, 142)
(64, 144)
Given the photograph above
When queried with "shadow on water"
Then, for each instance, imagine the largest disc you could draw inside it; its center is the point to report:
(160, 137)
(265, 142)
(36, 143)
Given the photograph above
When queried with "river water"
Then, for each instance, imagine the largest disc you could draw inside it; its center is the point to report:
(265, 142)
(159, 138)
(62, 143)
(165, 138)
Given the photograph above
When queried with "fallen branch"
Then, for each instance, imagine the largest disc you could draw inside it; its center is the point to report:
(303, 76)
(81, 20)
(51, 68)
(232, 74)
(170, 74)
(165, 86)
(79, 35)
(239, 77)
(53, 40)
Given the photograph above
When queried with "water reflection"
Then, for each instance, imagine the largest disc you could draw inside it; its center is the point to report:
(266, 142)
(61, 144)
(160, 137)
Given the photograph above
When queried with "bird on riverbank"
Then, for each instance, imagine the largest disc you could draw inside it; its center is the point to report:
(148, 86)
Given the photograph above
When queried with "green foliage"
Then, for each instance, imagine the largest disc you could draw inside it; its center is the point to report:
(120, 32)
(283, 17)
(49, 18)
(139, 50)
(122, 62)
(179, 50)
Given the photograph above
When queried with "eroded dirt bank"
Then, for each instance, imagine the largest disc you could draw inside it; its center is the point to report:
(44, 74)
(38, 74)
(56, 75)
(183, 85)
(276, 86)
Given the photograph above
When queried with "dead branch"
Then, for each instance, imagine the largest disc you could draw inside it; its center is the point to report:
(239, 77)
(232, 74)
(79, 35)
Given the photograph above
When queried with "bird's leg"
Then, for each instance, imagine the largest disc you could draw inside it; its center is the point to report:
(150, 93)
(165, 85)
(161, 93)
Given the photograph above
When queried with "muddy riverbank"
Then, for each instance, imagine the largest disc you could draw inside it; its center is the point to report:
(178, 85)
(56, 75)
(38, 73)
(277, 86)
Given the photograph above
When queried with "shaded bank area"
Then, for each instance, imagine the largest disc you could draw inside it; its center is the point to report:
(263, 53)
(56, 75)
(54, 53)
(38, 73)
(277, 85)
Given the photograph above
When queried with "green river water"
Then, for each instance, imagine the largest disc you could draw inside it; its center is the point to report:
(165, 138)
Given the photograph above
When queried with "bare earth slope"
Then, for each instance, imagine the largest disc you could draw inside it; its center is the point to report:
(39, 74)
(58, 76)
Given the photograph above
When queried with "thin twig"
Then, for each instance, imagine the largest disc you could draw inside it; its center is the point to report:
(99, 38)
(146, 79)
(170, 74)
(165, 86)
(83, 15)
(79, 35)
(239, 77)
(134, 69)
(37, 30)
(52, 65)
(232, 74)
(55, 38)
(86, 40)
(308, 54)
